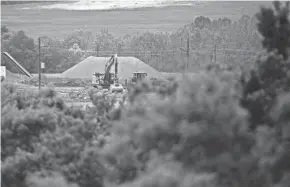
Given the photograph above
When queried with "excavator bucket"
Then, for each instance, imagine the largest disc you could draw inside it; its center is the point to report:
(116, 87)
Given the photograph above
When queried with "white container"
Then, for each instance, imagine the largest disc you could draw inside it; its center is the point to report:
(3, 72)
(42, 65)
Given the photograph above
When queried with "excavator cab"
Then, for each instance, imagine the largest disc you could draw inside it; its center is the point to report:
(98, 80)
(138, 76)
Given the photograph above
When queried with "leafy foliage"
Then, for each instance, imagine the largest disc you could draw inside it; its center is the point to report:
(39, 132)
(273, 69)
(274, 26)
(21, 47)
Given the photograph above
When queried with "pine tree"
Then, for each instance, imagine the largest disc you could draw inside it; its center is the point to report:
(275, 28)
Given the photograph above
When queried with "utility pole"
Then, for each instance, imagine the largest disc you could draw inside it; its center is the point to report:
(113, 52)
(39, 65)
(98, 50)
(187, 53)
(119, 50)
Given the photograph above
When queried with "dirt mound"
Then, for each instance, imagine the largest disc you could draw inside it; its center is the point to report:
(127, 65)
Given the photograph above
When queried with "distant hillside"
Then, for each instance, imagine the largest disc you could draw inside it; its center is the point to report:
(13, 2)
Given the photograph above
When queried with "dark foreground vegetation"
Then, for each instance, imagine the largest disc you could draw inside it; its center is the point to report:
(212, 131)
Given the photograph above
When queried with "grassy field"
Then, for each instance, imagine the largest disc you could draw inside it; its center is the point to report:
(58, 23)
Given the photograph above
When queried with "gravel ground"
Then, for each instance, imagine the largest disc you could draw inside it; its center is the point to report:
(83, 105)
(67, 93)
(73, 96)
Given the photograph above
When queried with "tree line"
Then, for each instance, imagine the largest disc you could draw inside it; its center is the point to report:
(232, 42)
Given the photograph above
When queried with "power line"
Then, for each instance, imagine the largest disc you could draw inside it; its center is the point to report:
(187, 53)
(160, 51)
(105, 51)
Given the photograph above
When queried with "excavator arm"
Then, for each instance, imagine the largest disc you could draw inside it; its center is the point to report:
(116, 68)
(108, 67)
(106, 81)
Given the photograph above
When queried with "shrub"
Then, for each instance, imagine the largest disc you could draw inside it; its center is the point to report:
(197, 126)
(273, 69)
(274, 27)
(54, 180)
(40, 133)
(195, 135)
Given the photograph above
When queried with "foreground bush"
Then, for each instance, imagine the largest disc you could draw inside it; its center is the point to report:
(197, 126)
(41, 134)
(196, 134)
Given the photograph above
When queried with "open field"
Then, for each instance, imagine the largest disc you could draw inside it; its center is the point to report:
(59, 23)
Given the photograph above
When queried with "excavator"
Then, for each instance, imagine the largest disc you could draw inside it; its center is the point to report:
(108, 80)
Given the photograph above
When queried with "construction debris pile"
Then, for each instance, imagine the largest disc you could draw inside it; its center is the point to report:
(57, 82)
(69, 94)
(74, 95)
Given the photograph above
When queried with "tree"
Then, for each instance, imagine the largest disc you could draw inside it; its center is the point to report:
(104, 41)
(82, 37)
(202, 22)
(273, 69)
(4, 29)
(23, 49)
(21, 41)
(275, 28)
